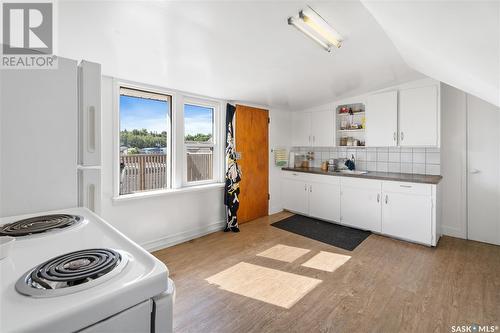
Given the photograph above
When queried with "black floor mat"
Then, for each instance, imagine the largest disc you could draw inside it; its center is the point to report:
(329, 233)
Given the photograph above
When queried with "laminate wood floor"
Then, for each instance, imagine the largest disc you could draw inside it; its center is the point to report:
(386, 286)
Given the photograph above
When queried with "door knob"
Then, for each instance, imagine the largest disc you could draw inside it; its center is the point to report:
(474, 171)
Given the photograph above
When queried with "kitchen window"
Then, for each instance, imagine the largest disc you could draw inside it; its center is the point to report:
(200, 143)
(145, 140)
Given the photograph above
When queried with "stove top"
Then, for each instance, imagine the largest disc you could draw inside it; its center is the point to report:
(72, 272)
(137, 275)
(39, 224)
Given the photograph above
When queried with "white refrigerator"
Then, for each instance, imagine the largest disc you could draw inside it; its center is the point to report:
(50, 138)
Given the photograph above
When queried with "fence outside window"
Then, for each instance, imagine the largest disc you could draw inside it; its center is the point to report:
(145, 172)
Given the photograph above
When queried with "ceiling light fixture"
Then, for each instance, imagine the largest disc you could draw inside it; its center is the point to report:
(301, 27)
(315, 27)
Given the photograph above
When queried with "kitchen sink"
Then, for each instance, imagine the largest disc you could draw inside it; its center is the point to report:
(353, 172)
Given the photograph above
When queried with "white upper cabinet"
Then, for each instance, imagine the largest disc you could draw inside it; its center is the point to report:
(382, 119)
(313, 129)
(301, 129)
(322, 128)
(419, 117)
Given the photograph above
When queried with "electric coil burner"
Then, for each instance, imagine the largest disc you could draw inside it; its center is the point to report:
(39, 224)
(72, 272)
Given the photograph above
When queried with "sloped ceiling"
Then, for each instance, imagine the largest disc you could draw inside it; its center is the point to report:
(233, 50)
(456, 42)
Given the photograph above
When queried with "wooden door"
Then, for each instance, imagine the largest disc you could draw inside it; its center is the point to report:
(252, 142)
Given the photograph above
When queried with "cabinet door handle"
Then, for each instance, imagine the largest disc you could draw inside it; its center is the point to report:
(386, 199)
(314, 138)
(309, 139)
(407, 186)
(305, 187)
(378, 197)
(310, 188)
(402, 136)
(394, 136)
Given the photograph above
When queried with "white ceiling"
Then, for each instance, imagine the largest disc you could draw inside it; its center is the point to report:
(456, 42)
(233, 50)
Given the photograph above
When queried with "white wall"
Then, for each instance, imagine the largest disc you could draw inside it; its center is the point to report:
(279, 137)
(456, 42)
(453, 161)
(162, 220)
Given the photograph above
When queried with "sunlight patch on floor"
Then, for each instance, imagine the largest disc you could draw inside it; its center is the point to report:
(326, 261)
(284, 253)
(264, 284)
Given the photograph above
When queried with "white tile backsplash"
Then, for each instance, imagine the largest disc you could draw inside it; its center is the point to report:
(371, 156)
(382, 156)
(393, 159)
(371, 166)
(432, 158)
(406, 167)
(382, 167)
(432, 169)
(419, 168)
(406, 157)
(419, 157)
(394, 167)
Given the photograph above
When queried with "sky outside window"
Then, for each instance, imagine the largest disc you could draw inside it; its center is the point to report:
(198, 123)
(141, 113)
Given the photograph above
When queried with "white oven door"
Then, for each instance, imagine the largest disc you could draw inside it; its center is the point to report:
(136, 319)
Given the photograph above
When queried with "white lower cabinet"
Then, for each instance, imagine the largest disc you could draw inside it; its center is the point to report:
(399, 209)
(295, 195)
(407, 211)
(313, 195)
(324, 201)
(360, 204)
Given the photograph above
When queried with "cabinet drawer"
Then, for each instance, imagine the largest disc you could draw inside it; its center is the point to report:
(296, 176)
(325, 179)
(407, 188)
(309, 177)
(365, 184)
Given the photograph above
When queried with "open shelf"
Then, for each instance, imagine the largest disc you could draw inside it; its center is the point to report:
(356, 116)
(351, 130)
(362, 113)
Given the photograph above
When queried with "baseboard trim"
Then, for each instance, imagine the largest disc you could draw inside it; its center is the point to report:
(182, 237)
(453, 232)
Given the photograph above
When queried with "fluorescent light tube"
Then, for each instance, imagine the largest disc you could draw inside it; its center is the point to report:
(299, 25)
(320, 26)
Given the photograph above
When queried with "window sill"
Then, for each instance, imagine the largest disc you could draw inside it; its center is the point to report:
(161, 193)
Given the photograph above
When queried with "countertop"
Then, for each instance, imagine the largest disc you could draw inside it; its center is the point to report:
(400, 177)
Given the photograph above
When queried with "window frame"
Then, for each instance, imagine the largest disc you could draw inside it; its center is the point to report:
(215, 144)
(176, 148)
(118, 84)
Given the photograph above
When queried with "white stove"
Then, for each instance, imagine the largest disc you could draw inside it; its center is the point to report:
(81, 274)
